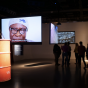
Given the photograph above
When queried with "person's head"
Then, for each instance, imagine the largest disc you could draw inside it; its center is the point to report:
(55, 45)
(76, 44)
(17, 29)
(65, 43)
(80, 42)
(68, 43)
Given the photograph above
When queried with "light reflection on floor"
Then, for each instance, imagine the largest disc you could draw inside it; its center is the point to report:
(37, 64)
(47, 76)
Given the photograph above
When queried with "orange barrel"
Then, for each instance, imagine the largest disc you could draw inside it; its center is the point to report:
(4, 45)
(5, 74)
(5, 65)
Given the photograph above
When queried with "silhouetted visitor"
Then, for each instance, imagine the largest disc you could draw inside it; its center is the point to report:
(76, 52)
(57, 52)
(81, 52)
(69, 51)
(65, 54)
(87, 52)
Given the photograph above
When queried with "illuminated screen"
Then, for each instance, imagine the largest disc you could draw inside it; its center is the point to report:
(53, 34)
(22, 29)
(66, 37)
(57, 36)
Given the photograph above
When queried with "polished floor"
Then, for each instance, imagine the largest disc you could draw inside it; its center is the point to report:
(44, 74)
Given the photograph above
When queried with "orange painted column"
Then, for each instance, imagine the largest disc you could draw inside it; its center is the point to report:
(5, 65)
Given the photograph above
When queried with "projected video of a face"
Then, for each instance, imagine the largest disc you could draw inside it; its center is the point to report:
(22, 29)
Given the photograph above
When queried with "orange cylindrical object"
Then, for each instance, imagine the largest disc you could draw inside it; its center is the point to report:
(4, 45)
(5, 74)
(4, 60)
(5, 65)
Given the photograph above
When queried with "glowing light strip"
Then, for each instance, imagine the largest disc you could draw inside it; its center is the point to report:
(5, 66)
(5, 52)
(4, 39)
(36, 65)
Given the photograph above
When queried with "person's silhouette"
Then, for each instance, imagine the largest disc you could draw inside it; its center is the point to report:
(76, 52)
(57, 52)
(81, 52)
(69, 51)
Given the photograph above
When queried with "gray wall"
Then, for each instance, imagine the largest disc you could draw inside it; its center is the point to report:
(45, 51)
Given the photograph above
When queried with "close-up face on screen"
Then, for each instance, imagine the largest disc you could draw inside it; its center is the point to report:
(22, 29)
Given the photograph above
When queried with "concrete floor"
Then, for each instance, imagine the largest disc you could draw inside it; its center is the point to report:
(44, 74)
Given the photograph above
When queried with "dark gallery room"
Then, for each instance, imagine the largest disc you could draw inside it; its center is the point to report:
(43, 43)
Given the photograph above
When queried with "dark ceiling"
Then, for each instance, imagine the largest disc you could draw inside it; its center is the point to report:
(50, 10)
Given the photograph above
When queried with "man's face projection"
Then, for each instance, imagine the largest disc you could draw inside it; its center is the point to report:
(17, 32)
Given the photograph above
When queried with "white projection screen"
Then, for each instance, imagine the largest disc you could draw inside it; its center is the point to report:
(27, 30)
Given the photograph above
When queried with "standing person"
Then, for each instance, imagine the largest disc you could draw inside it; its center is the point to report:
(87, 52)
(76, 52)
(81, 52)
(57, 52)
(65, 54)
(69, 52)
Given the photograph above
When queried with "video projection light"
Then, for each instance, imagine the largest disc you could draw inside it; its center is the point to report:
(66, 36)
(53, 34)
(22, 30)
(5, 65)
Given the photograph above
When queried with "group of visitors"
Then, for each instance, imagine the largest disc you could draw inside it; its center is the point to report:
(66, 53)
